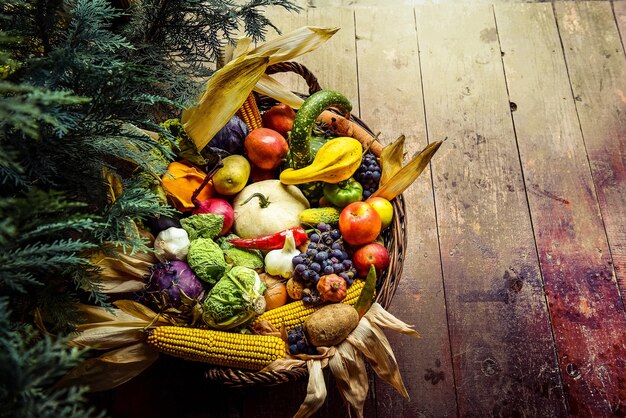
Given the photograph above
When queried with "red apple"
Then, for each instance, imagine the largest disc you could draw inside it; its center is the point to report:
(266, 148)
(359, 223)
(373, 253)
(217, 206)
(279, 118)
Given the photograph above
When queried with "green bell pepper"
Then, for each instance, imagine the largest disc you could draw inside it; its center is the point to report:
(344, 192)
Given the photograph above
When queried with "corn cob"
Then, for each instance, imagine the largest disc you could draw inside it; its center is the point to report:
(241, 351)
(293, 314)
(249, 113)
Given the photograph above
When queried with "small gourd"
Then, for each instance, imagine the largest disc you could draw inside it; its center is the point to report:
(336, 160)
(332, 288)
(278, 262)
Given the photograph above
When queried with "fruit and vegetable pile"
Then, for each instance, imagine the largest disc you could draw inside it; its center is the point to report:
(273, 227)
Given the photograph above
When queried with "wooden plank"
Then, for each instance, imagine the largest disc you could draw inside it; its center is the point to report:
(502, 346)
(334, 63)
(619, 10)
(391, 102)
(287, 22)
(597, 72)
(586, 310)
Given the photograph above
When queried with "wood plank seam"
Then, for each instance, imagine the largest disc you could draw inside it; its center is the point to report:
(432, 185)
(621, 35)
(532, 222)
(619, 282)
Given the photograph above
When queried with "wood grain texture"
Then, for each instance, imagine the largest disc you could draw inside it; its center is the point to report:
(391, 103)
(334, 64)
(597, 71)
(586, 309)
(287, 22)
(619, 10)
(502, 351)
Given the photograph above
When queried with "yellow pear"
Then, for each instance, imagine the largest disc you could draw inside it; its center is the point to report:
(231, 178)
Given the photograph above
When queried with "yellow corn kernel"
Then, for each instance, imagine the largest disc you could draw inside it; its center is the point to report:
(293, 314)
(228, 349)
(249, 113)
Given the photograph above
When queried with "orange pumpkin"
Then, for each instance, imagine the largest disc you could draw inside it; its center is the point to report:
(180, 181)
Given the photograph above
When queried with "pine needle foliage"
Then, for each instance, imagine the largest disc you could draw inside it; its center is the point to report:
(81, 81)
(30, 364)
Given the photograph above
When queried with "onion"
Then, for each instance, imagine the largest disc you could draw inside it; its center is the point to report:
(217, 206)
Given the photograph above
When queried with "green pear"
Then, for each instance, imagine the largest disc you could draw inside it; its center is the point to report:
(231, 178)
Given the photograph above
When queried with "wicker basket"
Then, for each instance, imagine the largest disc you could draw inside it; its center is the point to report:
(395, 241)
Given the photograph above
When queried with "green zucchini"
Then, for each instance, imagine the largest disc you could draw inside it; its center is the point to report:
(304, 122)
(301, 133)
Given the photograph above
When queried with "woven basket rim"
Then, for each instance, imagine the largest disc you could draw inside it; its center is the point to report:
(395, 241)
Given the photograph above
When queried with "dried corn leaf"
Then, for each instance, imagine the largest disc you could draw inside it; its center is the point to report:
(242, 47)
(114, 185)
(123, 272)
(407, 174)
(106, 328)
(272, 88)
(372, 342)
(391, 159)
(229, 87)
(106, 337)
(315, 390)
(96, 314)
(226, 91)
(379, 316)
(111, 369)
(136, 310)
(348, 369)
(294, 44)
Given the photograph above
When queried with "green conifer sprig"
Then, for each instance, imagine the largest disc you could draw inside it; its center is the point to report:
(30, 364)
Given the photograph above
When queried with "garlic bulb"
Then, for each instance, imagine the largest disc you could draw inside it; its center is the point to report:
(172, 244)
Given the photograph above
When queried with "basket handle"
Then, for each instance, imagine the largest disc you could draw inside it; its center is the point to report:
(301, 70)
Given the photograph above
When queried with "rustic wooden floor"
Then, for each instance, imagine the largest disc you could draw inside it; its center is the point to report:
(517, 234)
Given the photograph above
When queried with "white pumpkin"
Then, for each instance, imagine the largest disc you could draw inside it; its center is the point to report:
(267, 207)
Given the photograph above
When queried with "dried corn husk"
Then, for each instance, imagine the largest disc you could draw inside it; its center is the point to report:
(270, 87)
(391, 159)
(407, 174)
(112, 369)
(229, 87)
(226, 91)
(121, 272)
(120, 331)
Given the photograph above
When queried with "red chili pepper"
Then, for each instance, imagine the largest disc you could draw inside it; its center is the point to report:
(271, 241)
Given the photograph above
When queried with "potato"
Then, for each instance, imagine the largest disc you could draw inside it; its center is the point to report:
(330, 324)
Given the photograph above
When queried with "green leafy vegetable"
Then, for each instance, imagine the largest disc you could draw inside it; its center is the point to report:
(206, 259)
(235, 300)
(205, 225)
(238, 256)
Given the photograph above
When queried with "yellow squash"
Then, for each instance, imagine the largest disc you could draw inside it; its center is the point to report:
(335, 161)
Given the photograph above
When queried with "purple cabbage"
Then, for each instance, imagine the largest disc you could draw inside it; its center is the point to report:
(231, 137)
(169, 279)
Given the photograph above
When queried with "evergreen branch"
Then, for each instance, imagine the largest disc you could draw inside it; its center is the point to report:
(30, 364)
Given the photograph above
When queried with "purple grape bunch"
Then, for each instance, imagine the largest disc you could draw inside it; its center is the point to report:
(368, 174)
(324, 255)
